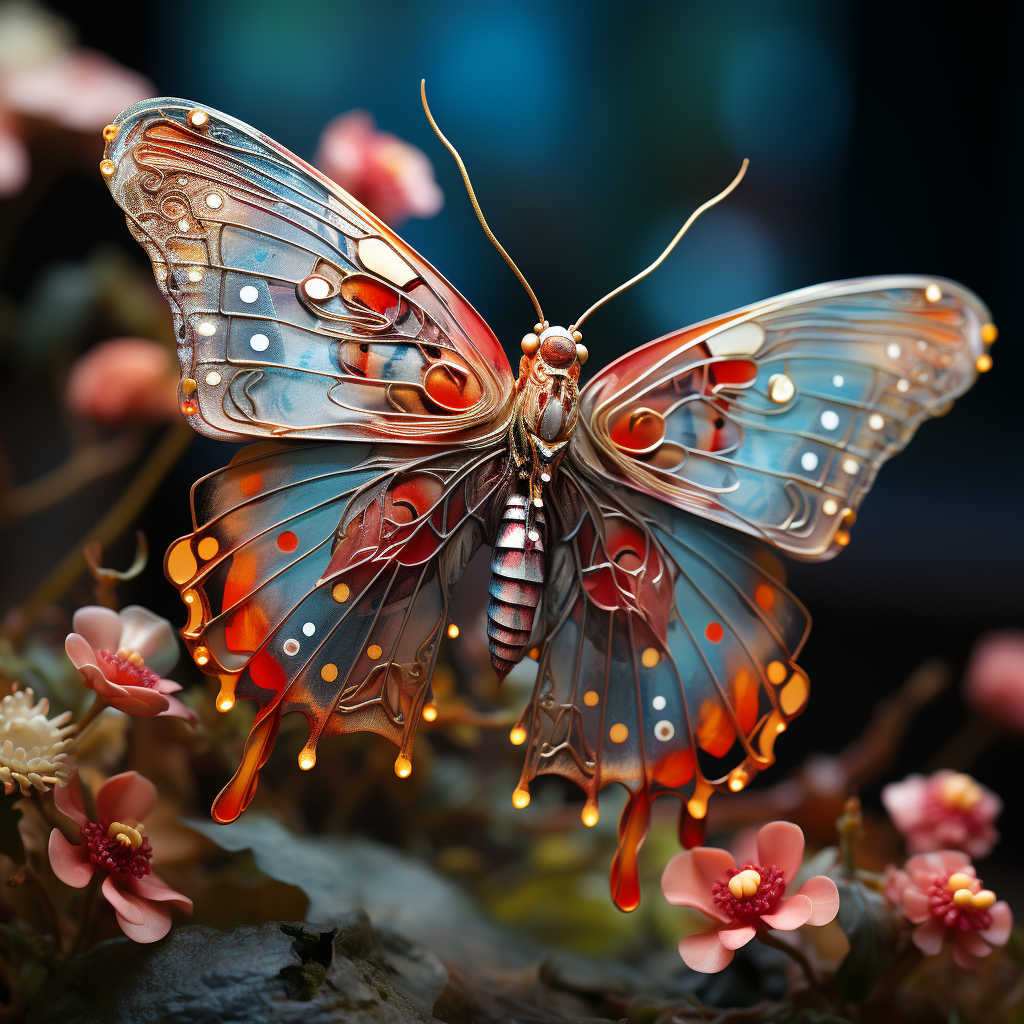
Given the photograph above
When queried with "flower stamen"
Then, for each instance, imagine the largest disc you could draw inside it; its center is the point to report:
(961, 792)
(125, 834)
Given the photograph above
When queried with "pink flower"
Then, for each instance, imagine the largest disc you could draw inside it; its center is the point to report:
(123, 379)
(740, 901)
(894, 881)
(945, 811)
(391, 177)
(77, 89)
(116, 845)
(121, 657)
(945, 899)
(994, 679)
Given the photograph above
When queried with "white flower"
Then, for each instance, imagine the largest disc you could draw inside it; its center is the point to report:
(33, 748)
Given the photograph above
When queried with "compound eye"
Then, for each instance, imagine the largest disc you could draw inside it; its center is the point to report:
(558, 350)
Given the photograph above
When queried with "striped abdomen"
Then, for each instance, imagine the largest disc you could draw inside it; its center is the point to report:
(517, 578)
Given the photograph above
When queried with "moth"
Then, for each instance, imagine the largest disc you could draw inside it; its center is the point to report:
(635, 524)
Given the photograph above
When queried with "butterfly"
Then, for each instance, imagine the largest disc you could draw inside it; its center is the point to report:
(635, 524)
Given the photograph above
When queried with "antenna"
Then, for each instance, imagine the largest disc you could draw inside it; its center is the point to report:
(476, 206)
(671, 245)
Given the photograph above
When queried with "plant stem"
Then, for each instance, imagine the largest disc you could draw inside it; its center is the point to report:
(85, 914)
(53, 918)
(98, 706)
(119, 517)
(793, 953)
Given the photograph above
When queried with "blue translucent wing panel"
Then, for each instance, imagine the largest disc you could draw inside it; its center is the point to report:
(667, 663)
(298, 313)
(317, 580)
(776, 418)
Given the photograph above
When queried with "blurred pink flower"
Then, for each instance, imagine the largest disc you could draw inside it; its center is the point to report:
(945, 899)
(994, 679)
(391, 177)
(944, 811)
(740, 901)
(116, 845)
(79, 89)
(122, 379)
(122, 655)
(894, 881)
(43, 78)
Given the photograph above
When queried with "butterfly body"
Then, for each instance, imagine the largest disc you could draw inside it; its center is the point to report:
(634, 523)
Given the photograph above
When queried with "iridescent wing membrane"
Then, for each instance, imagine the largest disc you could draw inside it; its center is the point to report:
(317, 576)
(668, 660)
(775, 419)
(298, 312)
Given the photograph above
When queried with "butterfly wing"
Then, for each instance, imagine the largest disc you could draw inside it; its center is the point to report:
(775, 419)
(317, 580)
(668, 659)
(298, 312)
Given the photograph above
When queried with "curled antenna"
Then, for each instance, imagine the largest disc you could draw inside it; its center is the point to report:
(476, 206)
(671, 245)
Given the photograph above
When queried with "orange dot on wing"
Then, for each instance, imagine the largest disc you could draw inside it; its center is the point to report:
(340, 592)
(764, 597)
(714, 632)
(287, 541)
(208, 547)
(618, 733)
(251, 484)
(329, 673)
(650, 657)
(374, 651)
(590, 698)
(777, 672)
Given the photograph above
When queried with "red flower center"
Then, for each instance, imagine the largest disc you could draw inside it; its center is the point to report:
(112, 855)
(959, 918)
(125, 672)
(749, 909)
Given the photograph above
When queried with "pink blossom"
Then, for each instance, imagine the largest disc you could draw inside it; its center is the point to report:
(77, 89)
(944, 811)
(123, 379)
(14, 161)
(122, 657)
(388, 175)
(994, 679)
(945, 899)
(741, 901)
(116, 845)
(894, 881)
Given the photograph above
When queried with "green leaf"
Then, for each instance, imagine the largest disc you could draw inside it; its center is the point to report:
(10, 834)
(870, 925)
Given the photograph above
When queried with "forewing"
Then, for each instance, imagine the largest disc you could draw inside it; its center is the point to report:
(667, 663)
(298, 313)
(775, 419)
(317, 580)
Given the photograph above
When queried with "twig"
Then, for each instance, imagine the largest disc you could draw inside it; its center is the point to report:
(79, 469)
(161, 460)
(767, 939)
(98, 706)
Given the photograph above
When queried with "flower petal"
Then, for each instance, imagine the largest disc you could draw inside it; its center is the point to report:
(971, 942)
(962, 958)
(125, 797)
(100, 627)
(1002, 924)
(905, 802)
(167, 686)
(791, 913)
(140, 920)
(824, 897)
(140, 701)
(80, 651)
(68, 800)
(781, 843)
(152, 636)
(916, 905)
(733, 938)
(153, 887)
(688, 877)
(70, 863)
(175, 709)
(705, 952)
(928, 936)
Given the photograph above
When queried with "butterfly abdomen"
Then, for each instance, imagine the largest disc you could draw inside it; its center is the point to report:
(517, 578)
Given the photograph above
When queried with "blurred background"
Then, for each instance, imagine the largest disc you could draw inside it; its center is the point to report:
(883, 139)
